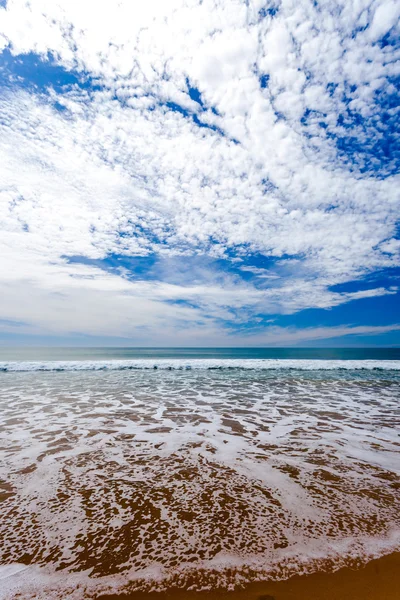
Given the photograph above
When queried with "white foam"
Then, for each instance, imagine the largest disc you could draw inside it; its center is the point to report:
(137, 480)
(199, 364)
(225, 571)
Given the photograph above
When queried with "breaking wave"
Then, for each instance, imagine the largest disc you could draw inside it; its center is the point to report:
(201, 364)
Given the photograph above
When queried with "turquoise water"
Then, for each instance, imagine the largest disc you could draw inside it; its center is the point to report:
(31, 354)
(315, 363)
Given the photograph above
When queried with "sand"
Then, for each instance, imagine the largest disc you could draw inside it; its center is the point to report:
(199, 479)
(378, 580)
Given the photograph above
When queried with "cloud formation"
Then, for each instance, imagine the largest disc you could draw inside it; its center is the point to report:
(251, 147)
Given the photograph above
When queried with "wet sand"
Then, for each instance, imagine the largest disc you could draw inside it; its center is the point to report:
(378, 580)
(150, 483)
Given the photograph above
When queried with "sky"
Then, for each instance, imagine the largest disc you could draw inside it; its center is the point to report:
(200, 172)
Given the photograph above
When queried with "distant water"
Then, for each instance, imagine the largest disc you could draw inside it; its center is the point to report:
(77, 354)
(130, 469)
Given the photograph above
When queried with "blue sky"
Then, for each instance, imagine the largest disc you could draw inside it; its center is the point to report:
(199, 173)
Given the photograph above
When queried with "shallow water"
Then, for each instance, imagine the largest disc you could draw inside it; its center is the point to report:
(204, 478)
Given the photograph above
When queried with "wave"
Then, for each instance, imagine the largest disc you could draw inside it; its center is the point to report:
(226, 573)
(200, 364)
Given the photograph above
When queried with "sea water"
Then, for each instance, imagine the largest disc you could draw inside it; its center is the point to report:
(129, 469)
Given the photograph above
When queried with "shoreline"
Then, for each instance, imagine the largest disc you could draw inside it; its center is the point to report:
(379, 579)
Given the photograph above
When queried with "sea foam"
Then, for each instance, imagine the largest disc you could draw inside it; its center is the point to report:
(142, 480)
(199, 364)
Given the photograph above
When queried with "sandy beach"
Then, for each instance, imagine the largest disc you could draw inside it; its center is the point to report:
(168, 482)
(377, 580)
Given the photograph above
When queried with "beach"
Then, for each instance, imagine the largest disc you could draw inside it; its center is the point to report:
(199, 300)
(199, 477)
(377, 580)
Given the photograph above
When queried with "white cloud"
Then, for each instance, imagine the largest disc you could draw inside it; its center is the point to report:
(281, 336)
(109, 176)
(385, 17)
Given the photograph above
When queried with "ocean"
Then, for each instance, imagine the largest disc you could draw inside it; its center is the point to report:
(130, 469)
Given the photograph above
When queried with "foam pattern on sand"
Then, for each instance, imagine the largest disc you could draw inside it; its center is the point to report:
(141, 480)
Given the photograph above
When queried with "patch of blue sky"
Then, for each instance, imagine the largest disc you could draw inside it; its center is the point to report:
(385, 278)
(367, 144)
(174, 107)
(376, 311)
(194, 94)
(41, 74)
(210, 126)
(254, 268)
(37, 72)
(195, 269)
(264, 79)
(178, 108)
(138, 267)
(269, 10)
